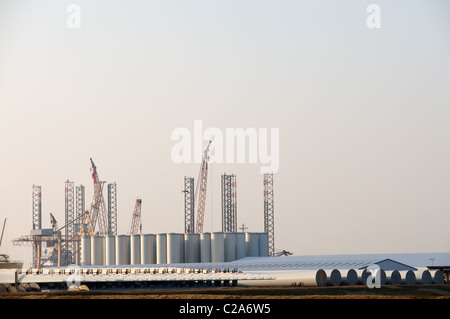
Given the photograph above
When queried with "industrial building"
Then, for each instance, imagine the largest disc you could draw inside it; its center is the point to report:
(303, 271)
(88, 250)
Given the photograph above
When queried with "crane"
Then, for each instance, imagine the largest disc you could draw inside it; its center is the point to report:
(136, 225)
(201, 186)
(98, 212)
(4, 258)
(3, 230)
(53, 222)
(283, 253)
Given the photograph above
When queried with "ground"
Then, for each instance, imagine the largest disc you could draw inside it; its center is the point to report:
(340, 292)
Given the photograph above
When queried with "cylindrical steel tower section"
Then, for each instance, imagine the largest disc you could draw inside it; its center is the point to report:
(205, 247)
(122, 249)
(252, 244)
(161, 249)
(174, 251)
(97, 250)
(240, 245)
(230, 246)
(334, 277)
(110, 250)
(192, 248)
(148, 249)
(135, 249)
(393, 277)
(289, 278)
(349, 277)
(437, 277)
(263, 244)
(423, 277)
(408, 277)
(365, 277)
(85, 255)
(218, 247)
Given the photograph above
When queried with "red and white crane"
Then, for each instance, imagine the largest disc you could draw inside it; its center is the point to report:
(201, 186)
(136, 224)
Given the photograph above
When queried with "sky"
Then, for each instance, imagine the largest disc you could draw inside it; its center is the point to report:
(362, 114)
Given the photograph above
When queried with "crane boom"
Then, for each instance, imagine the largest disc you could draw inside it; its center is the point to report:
(94, 172)
(136, 225)
(53, 222)
(201, 190)
(98, 204)
(3, 230)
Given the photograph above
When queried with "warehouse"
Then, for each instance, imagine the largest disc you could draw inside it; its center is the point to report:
(308, 271)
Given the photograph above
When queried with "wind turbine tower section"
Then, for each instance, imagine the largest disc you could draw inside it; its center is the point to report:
(112, 209)
(189, 205)
(229, 203)
(269, 212)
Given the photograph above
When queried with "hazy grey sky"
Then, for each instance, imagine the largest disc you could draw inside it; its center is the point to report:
(363, 114)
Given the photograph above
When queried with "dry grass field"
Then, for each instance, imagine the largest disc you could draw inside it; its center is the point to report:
(260, 293)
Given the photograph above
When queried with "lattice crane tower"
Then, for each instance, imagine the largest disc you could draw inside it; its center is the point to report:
(269, 212)
(136, 224)
(98, 211)
(189, 205)
(201, 190)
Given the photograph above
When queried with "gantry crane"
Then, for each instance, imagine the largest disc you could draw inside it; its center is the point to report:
(136, 225)
(201, 186)
(54, 238)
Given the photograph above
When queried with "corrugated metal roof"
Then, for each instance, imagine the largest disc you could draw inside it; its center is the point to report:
(350, 261)
(311, 262)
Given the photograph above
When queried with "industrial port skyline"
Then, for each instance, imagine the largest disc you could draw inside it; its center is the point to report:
(362, 115)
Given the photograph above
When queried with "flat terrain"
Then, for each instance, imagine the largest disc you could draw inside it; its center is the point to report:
(340, 292)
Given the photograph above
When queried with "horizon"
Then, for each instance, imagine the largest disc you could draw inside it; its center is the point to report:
(356, 93)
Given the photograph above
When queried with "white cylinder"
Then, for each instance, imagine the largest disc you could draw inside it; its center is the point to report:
(349, 277)
(362, 276)
(85, 254)
(437, 277)
(379, 277)
(122, 249)
(135, 249)
(240, 245)
(97, 250)
(174, 248)
(218, 247)
(148, 249)
(110, 250)
(393, 277)
(408, 277)
(205, 247)
(161, 249)
(251, 244)
(230, 246)
(334, 277)
(423, 277)
(182, 248)
(198, 248)
(289, 278)
(263, 244)
(192, 248)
